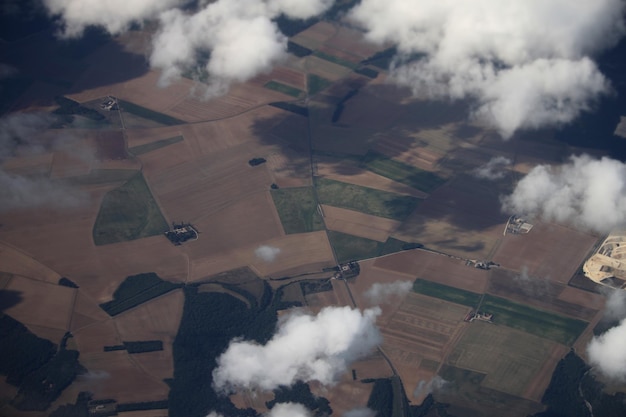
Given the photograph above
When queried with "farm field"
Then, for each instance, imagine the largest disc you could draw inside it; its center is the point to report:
(358, 224)
(447, 293)
(364, 199)
(297, 210)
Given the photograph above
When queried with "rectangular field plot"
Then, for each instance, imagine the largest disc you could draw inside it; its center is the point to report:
(283, 88)
(146, 113)
(153, 146)
(444, 292)
(398, 171)
(540, 323)
(297, 210)
(364, 199)
(421, 328)
(352, 248)
(510, 358)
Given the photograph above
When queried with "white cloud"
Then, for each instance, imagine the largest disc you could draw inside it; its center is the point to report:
(494, 169)
(239, 37)
(113, 15)
(607, 352)
(615, 307)
(585, 192)
(379, 293)
(525, 63)
(304, 348)
(427, 387)
(267, 253)
(288, 410)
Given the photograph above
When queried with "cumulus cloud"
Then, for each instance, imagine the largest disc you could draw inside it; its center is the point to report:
(239, 37)
(17, 138)
(607, 352)
(288, 410)
(304, 348)
(585, 192)
(113, 15)
(524, 63)
(494, 169)
(427, 387)
(615, 307)
(379, 293)
(267, 253)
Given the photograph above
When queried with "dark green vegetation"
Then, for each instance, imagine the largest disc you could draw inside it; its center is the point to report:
(341, 105)
(315, 286)
(300, 392)
(444, 292)
(135, 290)
(142, 346)
(290, 107)
(298, 50)
(351, 248)
(364, 199)
(283, 88)
(388, 399)
(381, 59)
(210, 321)
(65, 282)
(572, 385)
(541, 323)
(297, 209)
(153, 146)
(315, 83)
(335, 60)
(148, 114)
(145, 405)
(406, 174)
(79, 409)
(35, 365)
(128, 212)
(70, 107)
(368, 72)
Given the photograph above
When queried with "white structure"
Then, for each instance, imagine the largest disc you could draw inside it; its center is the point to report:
(608, 265)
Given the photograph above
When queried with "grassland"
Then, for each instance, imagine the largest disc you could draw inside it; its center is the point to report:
(297, 210)
(541, 323)
(444, 292)
(153, 146)
(366, 200)
(315, 83)
(352, 248)
(148, 114)
(335, 60)
(283, 88)
(128, 212)
(406, 174)
(135, 290)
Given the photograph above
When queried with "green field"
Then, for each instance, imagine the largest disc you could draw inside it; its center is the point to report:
(406, 174)
(541, 323)
(128, 212)
(366, 200)
(135, 290)
(297, 210)
(148, 114)
(353, 248)
(315, 83)
(335, 60)
(283, 88)
(444, 292)
(153, 146)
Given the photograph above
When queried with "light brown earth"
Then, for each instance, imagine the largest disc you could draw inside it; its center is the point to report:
(18, 262)
(30, 164)
(358, 224)
(347, 171)
(548, 251)
(316, 35)
(434, 267)
(43, 304)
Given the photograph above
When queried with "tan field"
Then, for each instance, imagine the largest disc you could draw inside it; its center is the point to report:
(359, 224)
(316, 35)
(15, 261)
(549, 251)
(30, 165)
(352, 41)
(346, 171)
(43, 304)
